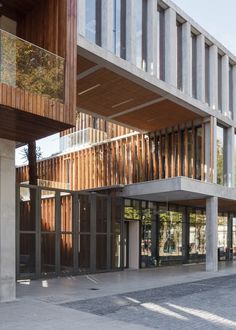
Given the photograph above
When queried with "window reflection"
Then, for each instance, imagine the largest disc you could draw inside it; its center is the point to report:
(170, 243)
(90, 17)
(197, 236)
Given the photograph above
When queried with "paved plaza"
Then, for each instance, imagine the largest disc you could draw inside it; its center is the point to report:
(181, 297)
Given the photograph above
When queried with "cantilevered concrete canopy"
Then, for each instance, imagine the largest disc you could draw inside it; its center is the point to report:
(182, 191)
(115, 89)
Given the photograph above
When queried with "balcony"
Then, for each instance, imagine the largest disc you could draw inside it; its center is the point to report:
(32, 88)
(31, 68)
(81, 139)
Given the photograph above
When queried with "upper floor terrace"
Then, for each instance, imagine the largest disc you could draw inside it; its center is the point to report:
(148, 65)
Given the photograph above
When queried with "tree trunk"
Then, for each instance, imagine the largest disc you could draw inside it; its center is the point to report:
(32, 158)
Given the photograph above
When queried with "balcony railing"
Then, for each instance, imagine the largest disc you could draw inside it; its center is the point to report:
(81, 138)
(30, 67)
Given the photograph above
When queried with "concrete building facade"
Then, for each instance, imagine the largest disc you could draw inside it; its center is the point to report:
(170, 87)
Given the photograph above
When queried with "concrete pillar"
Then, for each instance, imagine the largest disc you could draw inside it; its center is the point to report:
(211, 234)
(201, 67)
(107, 25)
(131, 31)
(134, 244)
(234, 91)
(187, 58)
(81, 17)
(229, 157)
(213, 77)
(7, 221)
(225, 86)
(152, 37)
(170, 47)
(210, 150)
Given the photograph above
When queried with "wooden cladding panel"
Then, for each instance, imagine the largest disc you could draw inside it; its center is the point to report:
(136, 158)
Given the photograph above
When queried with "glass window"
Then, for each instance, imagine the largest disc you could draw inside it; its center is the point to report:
(101, 252)
(117, 27)
(220, 155)
(194, 65)
(179, 56)
(207, 68)
(132, 210)
(170, 239)
(139, 33)
(84, 213)
(90, 19)
(84, 253)
(197, 235)
(198, 151)
(101, 214)
(231, 89)
(222, 231)
(27, 253)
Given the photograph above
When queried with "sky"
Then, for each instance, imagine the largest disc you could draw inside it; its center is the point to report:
(217, 17)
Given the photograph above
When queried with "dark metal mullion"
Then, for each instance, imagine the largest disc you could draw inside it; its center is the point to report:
(58, 232)
(38, 232)
(75, 230)
(93, 219)
(109, 219)
(122, 234)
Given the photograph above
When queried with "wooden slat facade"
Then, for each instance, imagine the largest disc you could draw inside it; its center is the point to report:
(134, 158)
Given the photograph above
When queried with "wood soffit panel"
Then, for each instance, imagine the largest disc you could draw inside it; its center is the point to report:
(107, 94)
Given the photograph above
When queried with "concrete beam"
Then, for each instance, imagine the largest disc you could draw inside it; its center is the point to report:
(211, 234)
(225, 86)
(170, 47)
(81, 17)
(152, 37)
(7, 221)
(213, 77)
(131, 31)
(107, 25)
(200, 68)
(187, 58)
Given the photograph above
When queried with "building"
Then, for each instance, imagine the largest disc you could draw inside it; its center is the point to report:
(159, 188)
(37, 97)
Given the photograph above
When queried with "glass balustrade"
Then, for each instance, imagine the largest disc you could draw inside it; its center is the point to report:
(30, 67)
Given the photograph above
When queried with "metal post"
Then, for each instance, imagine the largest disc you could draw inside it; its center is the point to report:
(58, 231)
(38, 232)
(75, 226)
(109, 219)
(93, 219)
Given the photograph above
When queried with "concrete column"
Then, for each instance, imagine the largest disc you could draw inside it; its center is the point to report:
(107, 25)
(234, 91)
(7, 221)
(152, 37)
(211, 234)
(187, 58)
(213, 77)
(201, 67)
(210, 150)
(131, 31)
(225, 86)
(229, 157)
(134, 244)
(81, 17)
(170, 47)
